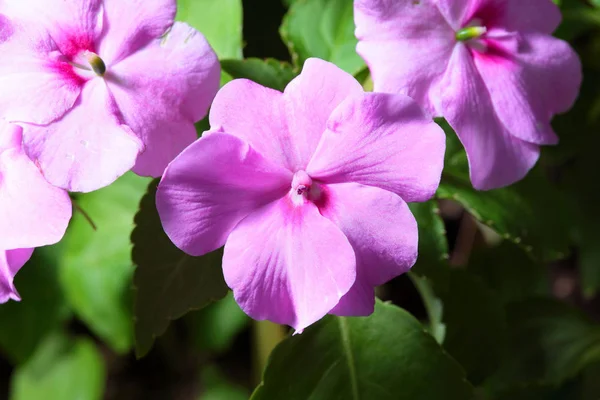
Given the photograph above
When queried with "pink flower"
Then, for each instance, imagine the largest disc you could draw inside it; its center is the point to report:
(101, 85)
(490, 67)
(32, 212)
(306, 189)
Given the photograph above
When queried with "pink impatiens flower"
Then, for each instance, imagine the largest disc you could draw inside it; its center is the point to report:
(102, 85)
(307, 190)
(490, 67)
(32, 212)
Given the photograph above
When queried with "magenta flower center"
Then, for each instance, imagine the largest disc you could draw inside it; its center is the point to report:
(473, 35)
(304, 189)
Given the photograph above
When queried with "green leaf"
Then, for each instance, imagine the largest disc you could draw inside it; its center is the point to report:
(219, 388)
(168, 283)
(215, 327)
(220, 22)
(61, 369)
(270, 73)
(96, 268)
(384, 356)
(510, 272)
(43, 308)
(551, 342)
(323, 29)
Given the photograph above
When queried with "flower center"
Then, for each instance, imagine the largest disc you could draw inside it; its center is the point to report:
(470, 33)
(96, 63)
(87, 62)
(303, 188)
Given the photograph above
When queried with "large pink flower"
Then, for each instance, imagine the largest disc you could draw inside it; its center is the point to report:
(490, 67)
(32, 212)
(306, 189)
(102, 85)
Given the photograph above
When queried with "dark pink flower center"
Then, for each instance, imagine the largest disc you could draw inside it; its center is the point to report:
(304, 188)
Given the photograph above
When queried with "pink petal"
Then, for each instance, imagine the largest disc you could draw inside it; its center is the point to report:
(496, 158)
(541, 16)
(211, 186)
(382, 232)
(458, 12)
(406, 44)
(88, 148)
(381, 140)
(162, 90)
(32, 212)
(542, 80)
(288, 264)
(286, 128)
(133, 24)
(11, 262)
(309, 101)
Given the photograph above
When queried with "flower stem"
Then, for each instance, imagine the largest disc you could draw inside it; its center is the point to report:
(266, 335)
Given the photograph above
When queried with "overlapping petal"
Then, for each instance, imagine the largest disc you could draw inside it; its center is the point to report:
(211, 186)
(496, 158)
(288, 264)
(32, 212)
(11, 262)
(383, 234)
(133, 24)
(381, 140)
(89, 147)
(162, 90)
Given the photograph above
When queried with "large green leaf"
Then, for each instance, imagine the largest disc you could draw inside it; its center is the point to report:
(168, 283)
(96, 268)
(550, 343)
(323, 29)
(385, 356)
(61, 369)
(220, 21)
(271, 73)
(42, 310)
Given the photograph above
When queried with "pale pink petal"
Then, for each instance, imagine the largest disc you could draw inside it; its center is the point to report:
(32, 212)
(309, 101)
(288, 264)
(88, 148)
(541, 16)
(529, 87)
(381, 140)
(406, 45)
(11, 262)
(133, 24)
(211, 186)
(38, 85)
(458, 12)
(382, 232)
(255, 114)
(162, 90)
(496, 158)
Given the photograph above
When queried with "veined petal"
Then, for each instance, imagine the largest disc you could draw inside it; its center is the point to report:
(162, 90)
(382, 140)
(281, 267)
(32, 212)
(406, 44)
(133, 24)
(211, 186)
(11, 262)
(382, 232)
(496, 158)
(542, 16)
(458, 12)
(88, 148)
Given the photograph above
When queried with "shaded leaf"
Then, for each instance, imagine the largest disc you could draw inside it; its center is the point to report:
(96, 268)
(384, 356)
(323, 29)
(270, 73)
(168, 282)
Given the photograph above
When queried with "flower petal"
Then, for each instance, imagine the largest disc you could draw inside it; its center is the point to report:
(381, 140)
(382, 232)
(162, 90)
(288, 264)
(541, 16)
(496, 158)
(211, 186)
(132, 24)
(542, 79)
(406, 44)
(310, 99)
(32, 212)
(458, 13)
(11, 262)
(88, 148)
